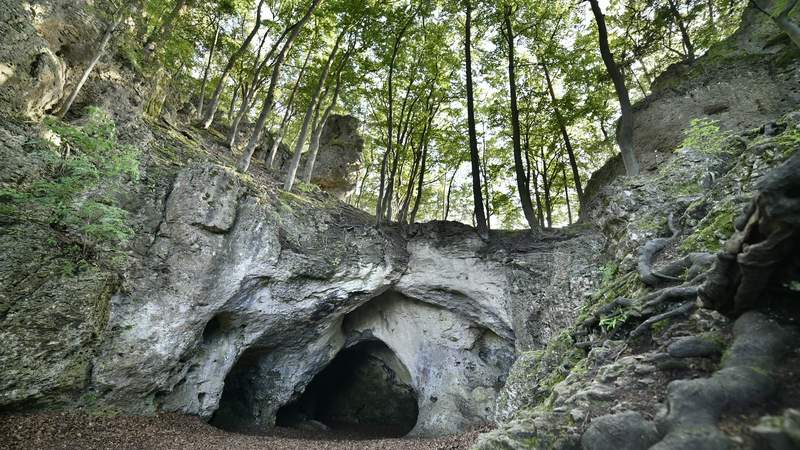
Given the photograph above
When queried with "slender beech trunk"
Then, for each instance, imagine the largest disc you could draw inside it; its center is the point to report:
(208, 117)
(256, 82)
(449, 191)
(363, 182)
(548, 209)
(523, 188)
(313, 148)
(119, 16)
(248, 94)
(269, 99)
(402, 214)
(287, 115)
(625, 133)
(402, 140)
(533, 176)
(207, 69)
(379, 207)
(419, 154)
(685, 38)
(301, 138)
(566, 192)
(487, 188)
(234, 97)
(480, 215)
(423, 164)
(576, 176)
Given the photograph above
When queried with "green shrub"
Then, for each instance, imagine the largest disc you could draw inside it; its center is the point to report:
(81, 178)
(705, 136)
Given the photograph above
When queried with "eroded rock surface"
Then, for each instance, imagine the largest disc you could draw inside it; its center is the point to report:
(235, 289)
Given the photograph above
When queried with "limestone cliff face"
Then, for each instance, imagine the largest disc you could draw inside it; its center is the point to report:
(231, 283)
(742, 82)
(285, 283)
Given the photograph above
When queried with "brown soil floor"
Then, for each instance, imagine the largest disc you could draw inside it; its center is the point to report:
(76, 431)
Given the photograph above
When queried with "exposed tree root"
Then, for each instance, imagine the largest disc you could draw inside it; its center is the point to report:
(764, 250)
(746, 378)
(682, 310)
(649, 251)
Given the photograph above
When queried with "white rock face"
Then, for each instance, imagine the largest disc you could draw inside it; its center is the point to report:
(455, 364)
(240, 300)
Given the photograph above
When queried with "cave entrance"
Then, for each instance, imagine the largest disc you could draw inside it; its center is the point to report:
(366, 391)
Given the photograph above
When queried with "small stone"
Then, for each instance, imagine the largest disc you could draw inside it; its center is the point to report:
(644, 369)
(624, 431)
(703, 345)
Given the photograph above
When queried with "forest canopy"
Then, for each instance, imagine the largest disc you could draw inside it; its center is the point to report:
(493, 113)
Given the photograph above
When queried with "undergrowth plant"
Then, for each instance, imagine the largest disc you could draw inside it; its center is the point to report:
(705, 136)
(81, 178)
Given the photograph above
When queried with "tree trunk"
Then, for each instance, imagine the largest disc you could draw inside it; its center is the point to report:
(548, 209)
(379, 207)
(534, 176)
(423, 165)
(566, 193)
(266, 109)
(449, 191)
(317, 133)
(234, 97)
(576, 176)
(480, 216)
(207, 69)
(402, 140)
(208, 118)
(625, 134)
(522, 185)
(278, 138)
(402, 214)
(487, 188)
(301, 138)
(256, 83)
(685, 38)
(120, 15)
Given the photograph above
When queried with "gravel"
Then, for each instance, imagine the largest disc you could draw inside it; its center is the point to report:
(173, 431)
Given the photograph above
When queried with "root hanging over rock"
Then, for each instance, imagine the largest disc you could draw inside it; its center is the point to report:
(693, 407)
(649, 251)
(764, 250)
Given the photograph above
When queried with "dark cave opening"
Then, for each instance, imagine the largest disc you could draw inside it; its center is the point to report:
(236, 406)
(365, 391)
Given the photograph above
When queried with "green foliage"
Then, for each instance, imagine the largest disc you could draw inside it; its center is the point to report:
(610, 323)
(423, 44)
(705, 136)
(81, 180)
(712, 231)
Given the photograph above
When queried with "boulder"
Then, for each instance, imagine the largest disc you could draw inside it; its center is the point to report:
(623, 431)
(339, 158)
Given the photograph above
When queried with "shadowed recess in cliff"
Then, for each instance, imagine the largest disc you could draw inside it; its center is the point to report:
(365, 390)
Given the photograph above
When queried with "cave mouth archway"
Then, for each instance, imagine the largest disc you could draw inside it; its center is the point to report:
(366, 390)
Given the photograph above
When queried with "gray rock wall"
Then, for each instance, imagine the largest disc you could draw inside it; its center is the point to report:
(229, 279)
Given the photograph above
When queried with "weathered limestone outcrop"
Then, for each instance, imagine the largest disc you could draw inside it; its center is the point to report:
(620, 359)
(231, 284)
(32, 77)
(230, 277)
(339, 158)
(742, 82)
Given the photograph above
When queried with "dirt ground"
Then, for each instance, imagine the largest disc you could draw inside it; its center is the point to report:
(77, 431)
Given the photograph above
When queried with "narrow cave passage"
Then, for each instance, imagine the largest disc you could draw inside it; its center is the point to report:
(365, 390)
